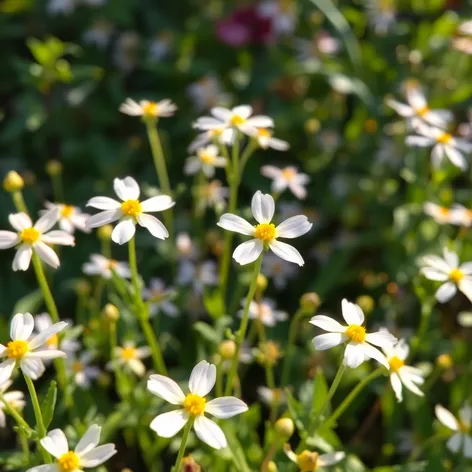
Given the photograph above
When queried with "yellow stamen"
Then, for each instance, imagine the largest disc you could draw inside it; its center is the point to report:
(68, 462)
(422, 111)
(53, 341)
(456, 275)
(17, 349)
(29, 235)
(444, 138)
(206, 157)
(112, 264)
(128, 353)
(194, 404)
(265, 232)
(150, 109)
(67, 211)
(307, 461)
(131, 208)
(356, 333)
(216, 131)
(463, 428)
(443, 211)
(264, 133)
(237, 120)
(77, 367)
(395, 363)
(289, 173)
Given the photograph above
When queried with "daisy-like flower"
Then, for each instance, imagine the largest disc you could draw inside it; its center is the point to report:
(309, 50)
(25, 351)
(238, 118)
(309, 461)
(278, 270)
(185, 246)
(159, 298)
(265, 233)
(130, 211)
(36, 238)
(461, 440)
(272, 397)
(206, 160)
(43, 322)
(220, 136)
(14, 399)
(400, 373)
(448, 271)
(461, 215)
(265, 312)
(361, 344)
(81, 371)
(265, 140)
(147, 109)
(199, 275)
(440, 214)
(443, 144)
(104, 267)
(70, 217)
(87, 453)
(417, 111)
(194, 406)
(130, 356)
(289, 177)
(212, 195)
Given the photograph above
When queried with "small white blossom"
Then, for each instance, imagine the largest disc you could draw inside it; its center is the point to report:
(205, 93)
(148, 109)
(15, 399)
(81, 371)
(212, 195)
(220, 136)
(206, 160)
(198, 275)
(130, 356)
(272, 396)
(461, 215)
(289, 177)
(381, 15)
(70, 217)
(265, 140)
(265, 312)
(160, 46)
(158, 298)
(185, 247)
(461, 440)
(442, 215)
(104, 267)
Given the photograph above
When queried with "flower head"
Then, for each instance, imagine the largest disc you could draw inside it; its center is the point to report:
(308, 461)
(265, 233)
(461, 440)
(70, 217)
(264, 138)
(206, 160)
(194, 405)
(159, 298)
(289, 177)
(130, 211)
(147, 109)
(265, 312)
(81, 370)
(14, 399)
(442, 215)
(100, 265)
(130, 356)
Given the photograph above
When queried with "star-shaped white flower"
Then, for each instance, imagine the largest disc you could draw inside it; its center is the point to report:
(264, 311)
(265, 233)
(101, 265)
(449, 271)
(80, 369)
(15, 399)
(36, 238)
(148, 109)
(361, 344)
(461, 440)
(87, 453)
(265, 139)
(206, 160)
(442, 215)
(159, 298)
(70, 217)
(26, 351)
(289, 177)
(130, 357)
(130, 211)
(194, 406)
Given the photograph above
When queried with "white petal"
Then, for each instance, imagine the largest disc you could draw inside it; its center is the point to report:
(210, 433)
(21, 326)
(244, 111)
(465, 286)
(8, 239)
(467, 446)
(225, 407)
(294, 227)
(103, 218)
(420, 141)
(43, 336)
(48, 220)
(397, 386)
(446, 418)
(45, 354)
(159, 203)
(327, 341)
(104, 203)
(456, 157)
(434, 274)
(166, 389)
(298, 190)
(55, 442)
(202, 378)
(466, 267)
(169, 424)
(331, 458)
(20, 221)
(455, 442)
(45, 468)
(400, 108)
(97, 456)
(33, 368)
(409, 384)
(327, 323)
(62, 238)
(374, 353)
(271, 172)
(260, 121)
(153, 225)
(6, 369)
(22, 258)
(465, 414)
(381, 338)
(235, 223)
(437, 263)
(263, 207)
(278, 144)
(451, 258)
(47, 254)
(354, 355)
(352, 313)
(248, 252)
(445, 292)
(126, 189)
(123, 231)
(287, 252)
(221, 113)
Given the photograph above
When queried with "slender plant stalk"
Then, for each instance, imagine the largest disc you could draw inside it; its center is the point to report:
(250, 148)
(19, 202)
(243, 326)
(271, 453)
(57, 187)
(183, 444)
(143, 313)
(426, 310)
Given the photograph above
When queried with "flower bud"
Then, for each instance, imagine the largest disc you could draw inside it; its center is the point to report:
(189, 465)
(227, 349)
(444, 361)
(111, 312)
(284, 427)
(261, 283)
(53, 167)
(13, 182)
(366, 303)
(104, 232)
(268, 353)
(272, 467)
(310, 302)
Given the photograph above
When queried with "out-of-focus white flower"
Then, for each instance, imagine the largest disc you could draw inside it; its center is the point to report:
(448, 271)
(43, 322)
(61, 7)
(99, 34)
(265, 234)
(443, 144)
(461, 215)
(311, 49)
(440, 214)
(70, 217)
(309, 461)
(80, 369)
(130, 211)
(198, 275)
(26, 351)
(289, 177)
(206, 160)
(361, 344)
(160, 46)
(205, 93)
(212, 195)
(87, 453)
(194, 406)
(36, 238)
(104, 267)
(126, 52)
(272, 396)
(185, 247)
(220, 136)
(129, 356)
(14, 399)
(158, 298)
(381, 15)
(148, 109)
(265, 140)
(283, 16)
(464, 43)
(461, 440)
(265, 312)
(278, 270)
(400, 373)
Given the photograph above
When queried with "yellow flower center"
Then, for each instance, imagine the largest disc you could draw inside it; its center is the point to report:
(444, 211)
(67, 211)
(131, 208)
(463, 428)
(307, 461)
(356, 333)
(216, 131)
(17, 349)
(29, 235)
(422, 111)
(150, 109)
(53, 341)
(237, 120)
(264, 133)
(207, 158)
(77, 367)
(265, 232)
(194, 404)
(112, 264)
(395, 363)
(289, 173)
(128, 353)
(444, 138)
(68, 462)
(456, 275)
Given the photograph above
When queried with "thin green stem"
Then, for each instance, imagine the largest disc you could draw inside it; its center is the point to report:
(19, 202)
(143, 313)
(57, 187)
(248, 152)
(183, 444)
(243, 326)
(426, 311)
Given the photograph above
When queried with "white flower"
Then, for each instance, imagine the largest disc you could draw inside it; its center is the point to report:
(272, 397)
(148, 109)
(70, 217)
(289, 177)
(265, 140)
(14, 399)
(87, 453)
(205, 93)
(440, 214)
(158, 298)
(449, 271)
(42, 322)
(185, 247)
(27, 351)
(278, 270)
(130, 211)
(212, 195)
(460, 215)
(80, 369)
(400, 373)
(361, 344)
(130, 356)
(206, 160)
(265, 312)
(443, 144)
(35, 237)
(461, 440)
(237, 118)
(417, 111)
(219, 135)
(381, 14)
(100, 265)
(309, 461)
(195, 405)
(199, 275)
(265, 233)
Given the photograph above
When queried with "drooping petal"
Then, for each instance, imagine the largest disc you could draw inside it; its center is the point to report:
(330, 459)
(210, 433)
(48, 220)
(97, 456)
(327, 323)
(225, 407)
(445, 292)
(248, 252)
(165, 388)
(104, 203)
(20, 221)
(235, 223)
(169, 424)
(126, 189)
(465, 286)
(446, 418)
(55, 442)
(263, 207)
(456, 157)
(397, 386)
(409, 383)
(123, 231)
(103, 218)
(286, 252)
(43, 336)
(6, 369)
(153, 225)
(202, 379)
(31, 367)
(352, 313)
(294, 227)
(158, 203)
(354, 355)
(47, 254)
(45, 354)
(22, 326)
(327, 341)
(8, 239)
(22, 258)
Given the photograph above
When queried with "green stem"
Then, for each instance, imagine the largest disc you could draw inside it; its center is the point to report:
(426, 311)
(183, 444)
(250, 148)
(243, 326)
(19, 202)
(143, 313)
(57, 187)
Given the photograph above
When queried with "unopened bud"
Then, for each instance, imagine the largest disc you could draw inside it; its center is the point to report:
(366, 303)
(312, 126)
(261, 283)
(444, 361)
(111, 312)
(284, 427)
(272, 467)
(13, 182)
(53, 167)
(82, 287)
(268, 353)
(104, 232)
(227, 349)
(189, 465)
(310, 302)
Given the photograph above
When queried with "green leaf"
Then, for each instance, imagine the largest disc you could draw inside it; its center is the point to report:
(29, 303)
(214, 303)
(207, 332)
(49, 404)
